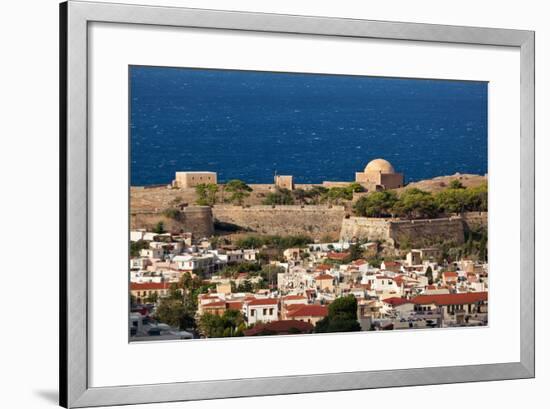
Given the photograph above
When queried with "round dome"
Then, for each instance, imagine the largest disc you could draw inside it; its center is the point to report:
(380, 165)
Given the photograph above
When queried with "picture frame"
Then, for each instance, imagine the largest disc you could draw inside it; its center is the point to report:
(75, 389)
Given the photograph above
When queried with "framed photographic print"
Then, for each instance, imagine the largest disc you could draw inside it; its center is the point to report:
(272, 201)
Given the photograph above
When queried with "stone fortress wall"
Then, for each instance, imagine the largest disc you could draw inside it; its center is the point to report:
(315, 221)
(424, 233)
(474, 220)
(195, 219)
(365, 228)
(415, 233)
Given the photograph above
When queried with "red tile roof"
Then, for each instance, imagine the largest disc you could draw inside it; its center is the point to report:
(392, 263)
(281, 327)
(399, 280)
(294, 297)
(324, 277)
(337, 256)
(215, 304)
(309, 310)
(323, 267)
(450, 274)
(263, 301)
(450, 299)
(234, 305)
(207, 296)
(395, 301)
(149, 286)
(290, 307)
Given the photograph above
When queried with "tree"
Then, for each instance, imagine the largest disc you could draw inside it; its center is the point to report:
(281, 196)
(159, 228)
(137, 246)
(477, 198)
(453, 200)
(152, 298)
(456, 184)
(210, 325)
(300, 195)
(429, 275)
(376, 204)
(230, 324)
(339, 193)
(280, 242)
(355, 252)
(315, 194)
(375, 262)
(244, 287)
(416, 203)
(356, 187)
(176, 311)
(206, 193)
(173, 213)
(270, 272)
(250, 242)
(239, 191)
(342, 316)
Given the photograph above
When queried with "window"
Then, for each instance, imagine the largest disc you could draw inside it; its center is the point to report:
(265, 311)
(271, 311)
(251, 313)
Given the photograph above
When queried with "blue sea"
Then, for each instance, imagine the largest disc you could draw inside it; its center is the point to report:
(250, 125)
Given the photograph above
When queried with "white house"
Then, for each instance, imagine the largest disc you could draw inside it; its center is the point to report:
(139, 263)
(153, 253)
(194, 263)
(250, 255)
(174, 248)
(262, 310)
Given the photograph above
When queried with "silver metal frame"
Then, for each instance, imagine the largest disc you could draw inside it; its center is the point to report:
(74, 18)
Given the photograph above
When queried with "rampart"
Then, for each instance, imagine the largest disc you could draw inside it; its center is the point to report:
(475, 220)
(424, 233)
(195, 219)
(411, 233)
(315, 221)
(365, 228)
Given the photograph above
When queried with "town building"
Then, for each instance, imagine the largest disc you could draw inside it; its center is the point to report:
(379, 173)
(261, 310)
(284, 182)
(310, 313)
(283, 327)
(186, 180)
(324, 282)
(144, 290)
(454, 308)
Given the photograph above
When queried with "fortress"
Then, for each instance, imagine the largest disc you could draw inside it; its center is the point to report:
(317, 221)
(379, 174)
(195, 219)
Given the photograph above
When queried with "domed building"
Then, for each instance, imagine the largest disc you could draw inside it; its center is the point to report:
(379, 173)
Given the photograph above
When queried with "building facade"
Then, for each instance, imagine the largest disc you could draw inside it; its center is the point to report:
(379, 173)
(284, 182)
(185, 180)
